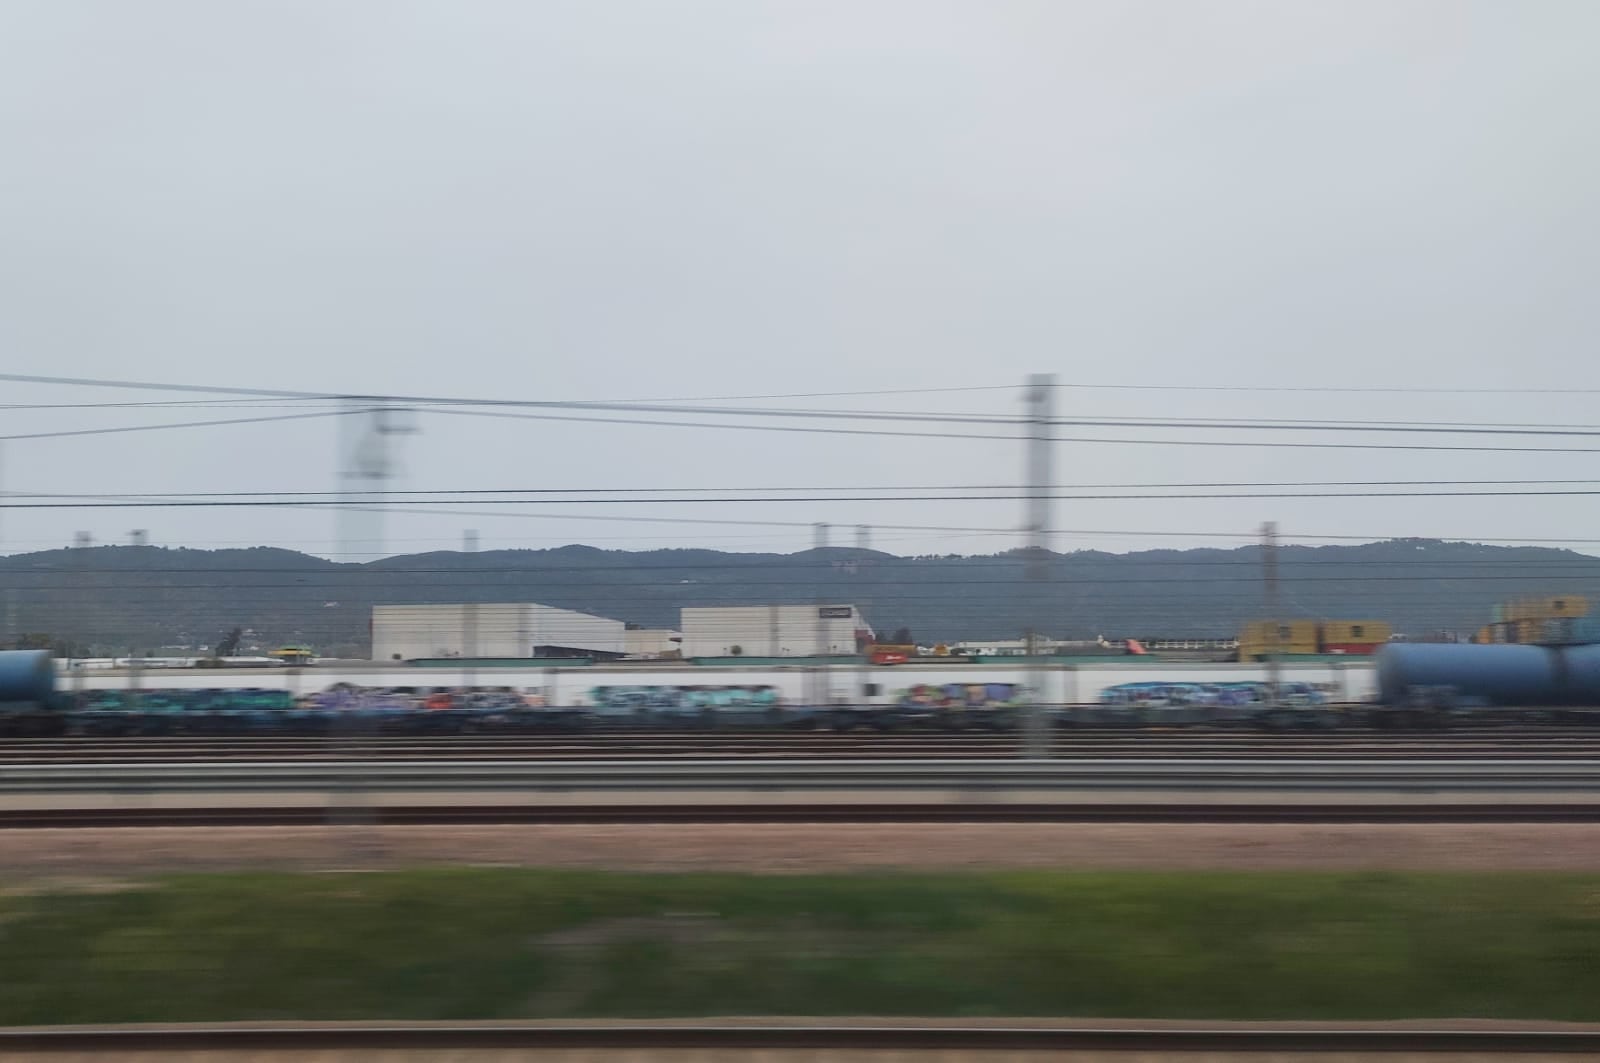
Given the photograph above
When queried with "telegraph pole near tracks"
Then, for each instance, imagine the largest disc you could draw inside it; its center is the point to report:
(864, 680)
(820, 694)
(1269, 575)
(1040, 404)
(367, 464)
(469, 620)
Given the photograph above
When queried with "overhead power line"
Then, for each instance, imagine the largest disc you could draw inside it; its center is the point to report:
(162, 404)
(842, 394)
(426, 400)
(638, 406)
(1013, 438)
(1210, 423)
(161, 427)
(23, 378)
(1332, 389)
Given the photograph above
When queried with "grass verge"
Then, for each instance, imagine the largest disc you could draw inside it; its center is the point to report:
(460, 943)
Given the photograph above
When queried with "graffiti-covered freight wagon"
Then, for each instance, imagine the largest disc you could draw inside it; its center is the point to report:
(696, 706)
(1171, 704)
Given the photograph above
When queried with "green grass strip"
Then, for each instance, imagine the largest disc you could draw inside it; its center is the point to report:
(463, 943)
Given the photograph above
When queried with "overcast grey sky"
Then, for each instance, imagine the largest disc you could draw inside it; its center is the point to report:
(593, 200)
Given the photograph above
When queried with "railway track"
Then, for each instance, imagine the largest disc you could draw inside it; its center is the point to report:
(810, 1039)
(1557, 745)
(867, 813)
(647, 780)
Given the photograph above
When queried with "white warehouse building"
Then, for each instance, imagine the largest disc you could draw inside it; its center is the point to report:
(771, 630)
(492, 629)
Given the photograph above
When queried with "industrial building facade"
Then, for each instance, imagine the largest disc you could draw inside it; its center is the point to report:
(772, 630)
(492, 629)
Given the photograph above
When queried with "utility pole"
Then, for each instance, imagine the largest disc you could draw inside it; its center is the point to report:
(469, 619)
(1269, 575)
(13, 629)
(83, 594)
(367, 465)
(864, 685)
(820, 693)
(1040, 403)
(133, 679)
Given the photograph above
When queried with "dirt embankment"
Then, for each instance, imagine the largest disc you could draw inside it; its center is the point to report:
(49, 853)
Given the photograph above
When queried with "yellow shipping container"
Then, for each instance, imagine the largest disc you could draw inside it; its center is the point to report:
(1565, 605)
(1261, 637)
(1285, 634)
(1345, 632)
(1287, 631)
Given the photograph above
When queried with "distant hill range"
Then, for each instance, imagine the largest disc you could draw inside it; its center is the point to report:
(142, 598)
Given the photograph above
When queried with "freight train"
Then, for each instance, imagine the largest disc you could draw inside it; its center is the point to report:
(33, 700)
(1411, 684)
(992, 707)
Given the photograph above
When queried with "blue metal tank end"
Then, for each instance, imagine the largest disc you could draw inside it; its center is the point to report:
(1501, 675)
(27, 675)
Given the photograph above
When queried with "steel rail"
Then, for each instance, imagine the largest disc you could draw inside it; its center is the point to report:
(1592, 736)
(774, 774)
(443, 1037)
(821, 745)
(1552, 757)
(922, 753)
(689, 731)
(694, 736)
(863, 813)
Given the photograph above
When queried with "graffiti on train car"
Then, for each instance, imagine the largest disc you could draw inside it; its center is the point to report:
(181, 700)
(338, 698)
(962, 696)
(1155, 695)
(682, 698)
(360, 699)
(345, 698)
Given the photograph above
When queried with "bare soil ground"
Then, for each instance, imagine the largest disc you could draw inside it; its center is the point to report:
(853, 1056)
(31, 855)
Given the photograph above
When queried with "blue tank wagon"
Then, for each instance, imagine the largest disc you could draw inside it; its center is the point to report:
(28, 693)
(1532, 681)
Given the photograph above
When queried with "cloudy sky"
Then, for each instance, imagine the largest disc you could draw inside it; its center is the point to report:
(1163, 204)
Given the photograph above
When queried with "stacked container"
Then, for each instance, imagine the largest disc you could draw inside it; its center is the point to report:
(1554, 621)
(1308, 637)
